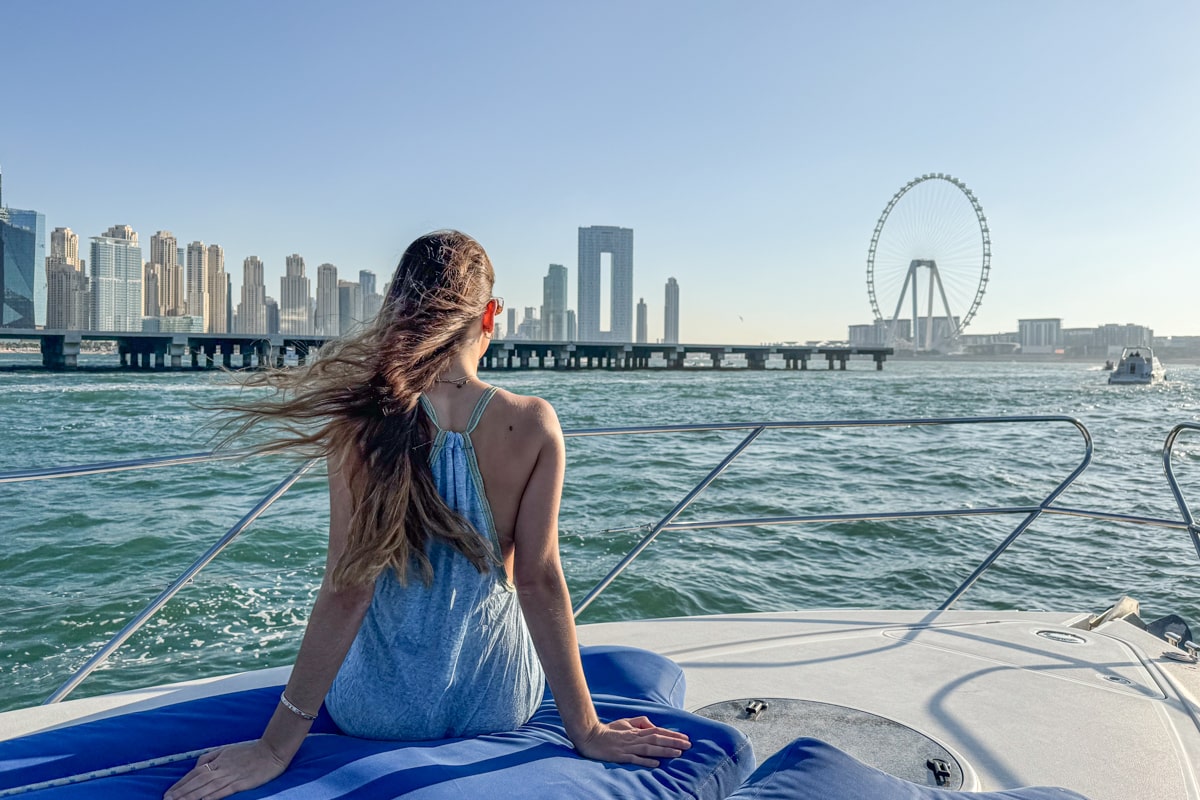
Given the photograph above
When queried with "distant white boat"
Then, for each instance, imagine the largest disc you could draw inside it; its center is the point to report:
(1137, 365)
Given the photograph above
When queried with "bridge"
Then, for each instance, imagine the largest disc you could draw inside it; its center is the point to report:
(176, 351)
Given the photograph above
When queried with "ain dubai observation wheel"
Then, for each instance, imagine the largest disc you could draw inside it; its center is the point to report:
(932, 247)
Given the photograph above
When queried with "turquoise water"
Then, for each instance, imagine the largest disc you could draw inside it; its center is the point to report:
(83, 555)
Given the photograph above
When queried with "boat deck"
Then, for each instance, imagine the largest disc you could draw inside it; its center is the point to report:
(1020, 698)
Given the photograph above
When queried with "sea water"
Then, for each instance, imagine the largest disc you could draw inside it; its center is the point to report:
(81, 556)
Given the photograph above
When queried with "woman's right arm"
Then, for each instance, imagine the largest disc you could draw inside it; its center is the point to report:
(546, 606)
(332, 626)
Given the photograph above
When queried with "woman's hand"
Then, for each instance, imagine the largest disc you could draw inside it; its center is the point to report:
(231, 769)
(632, 741)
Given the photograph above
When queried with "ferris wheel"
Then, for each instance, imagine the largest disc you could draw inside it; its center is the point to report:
(931, 244)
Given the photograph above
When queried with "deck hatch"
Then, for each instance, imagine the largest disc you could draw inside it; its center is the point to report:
(771, 723)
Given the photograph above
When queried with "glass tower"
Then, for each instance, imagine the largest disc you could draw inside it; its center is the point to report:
(23, 276)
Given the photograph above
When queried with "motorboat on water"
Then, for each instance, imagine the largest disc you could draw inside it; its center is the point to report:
(1104, 704)
(1138, 365)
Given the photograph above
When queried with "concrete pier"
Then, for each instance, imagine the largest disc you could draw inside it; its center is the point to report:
(151, 351)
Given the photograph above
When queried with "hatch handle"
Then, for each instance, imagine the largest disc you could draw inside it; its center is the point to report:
(940, 770)
(754, 708)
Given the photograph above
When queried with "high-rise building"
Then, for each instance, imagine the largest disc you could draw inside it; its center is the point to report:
(530, 327)
(164, 249)
(68, 304)
(151, 288)
(372, 300)
(295, 298)
(272, 309)
(572, 328)
(168, 295)
(641, 321)
(218, 291)
(327, 319)
(671, 313)
(22, 267)
(116, 285)
(554, 304)
(252, 311)
(197, 282)
(64, 246)
(350, 307)
(510, 330)
(617, 242)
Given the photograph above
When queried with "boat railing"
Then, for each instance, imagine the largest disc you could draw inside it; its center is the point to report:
(1028, 512)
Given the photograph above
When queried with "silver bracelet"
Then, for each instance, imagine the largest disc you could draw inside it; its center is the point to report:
(292, 708)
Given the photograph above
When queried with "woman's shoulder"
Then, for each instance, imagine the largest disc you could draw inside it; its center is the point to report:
(534, 414)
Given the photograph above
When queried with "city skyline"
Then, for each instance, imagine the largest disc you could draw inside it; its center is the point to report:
(1080, 151)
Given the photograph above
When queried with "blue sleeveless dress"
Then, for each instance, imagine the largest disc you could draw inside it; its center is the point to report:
(451, 659)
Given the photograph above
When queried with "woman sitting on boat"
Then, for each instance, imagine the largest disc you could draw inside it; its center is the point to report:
(441, 488)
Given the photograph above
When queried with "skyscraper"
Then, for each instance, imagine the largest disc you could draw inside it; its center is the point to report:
(64, 246)
(618, 242)
(350, 307)
(170, 298)
(327, 319)
(197, 282)
(671, 313)
(68, 305)
(641, 321)
(152, 274)
(295, 298)
(554, 304)
(510, 330)
(22, 267)
(272, 316)
(372, 301)
(252, 311)
(116, 283)
(572, 329)
(218, 291)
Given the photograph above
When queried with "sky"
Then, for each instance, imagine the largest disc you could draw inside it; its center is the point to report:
(751, 146)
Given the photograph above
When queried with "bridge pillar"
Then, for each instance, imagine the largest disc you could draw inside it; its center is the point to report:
(879, 357)
(160, 359)
(842, 359)
(195, 351)
(524, 360)
(716, 360)
(246, 353)
(176, 349)
(756, 360)
(145, 359)
(829, 359)
(227, 355)
(124, 356)
(61, 352)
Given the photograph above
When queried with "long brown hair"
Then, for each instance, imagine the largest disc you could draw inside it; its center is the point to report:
(357, 403)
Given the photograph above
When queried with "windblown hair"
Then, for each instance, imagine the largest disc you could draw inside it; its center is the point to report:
(357, 404)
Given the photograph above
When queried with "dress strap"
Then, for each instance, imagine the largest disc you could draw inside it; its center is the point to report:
(429, 412)
(479, 407)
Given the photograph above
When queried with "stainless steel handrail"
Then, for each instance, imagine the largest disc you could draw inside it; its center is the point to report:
(100, 468)
(668, 522)
(143, 616)
(1168, 451)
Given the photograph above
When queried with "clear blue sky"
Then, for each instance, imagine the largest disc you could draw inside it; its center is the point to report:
(751, 145)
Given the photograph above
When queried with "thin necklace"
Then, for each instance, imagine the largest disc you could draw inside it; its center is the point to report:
(458, 382)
